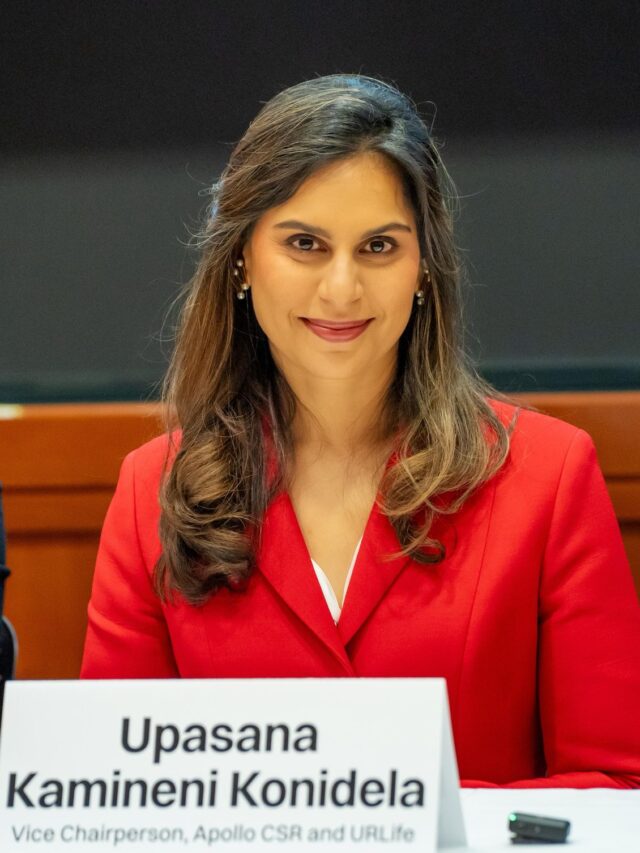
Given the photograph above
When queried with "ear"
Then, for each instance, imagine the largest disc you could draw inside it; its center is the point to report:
(422, 282)
(245, 254)
(248, 241)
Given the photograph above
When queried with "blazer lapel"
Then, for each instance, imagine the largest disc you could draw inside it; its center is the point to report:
(373, 573)
(284, 561)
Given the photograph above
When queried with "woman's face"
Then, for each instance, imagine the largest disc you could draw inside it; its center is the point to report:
(343, 249)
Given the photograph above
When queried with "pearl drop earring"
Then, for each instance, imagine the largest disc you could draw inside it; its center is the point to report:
(420, 293)
(244, 287)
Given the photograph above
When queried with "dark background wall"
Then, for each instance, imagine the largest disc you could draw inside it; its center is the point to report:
(117, 116)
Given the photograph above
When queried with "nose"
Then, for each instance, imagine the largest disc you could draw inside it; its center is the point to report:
(340, 283)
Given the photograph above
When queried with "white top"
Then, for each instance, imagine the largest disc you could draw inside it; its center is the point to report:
(327, 589)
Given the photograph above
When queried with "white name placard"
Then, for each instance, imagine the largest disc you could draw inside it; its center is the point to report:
(237, 764)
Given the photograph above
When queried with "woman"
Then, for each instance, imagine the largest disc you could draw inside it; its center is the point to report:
(340, 494)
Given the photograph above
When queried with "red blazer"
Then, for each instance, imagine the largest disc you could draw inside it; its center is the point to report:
(532, 617)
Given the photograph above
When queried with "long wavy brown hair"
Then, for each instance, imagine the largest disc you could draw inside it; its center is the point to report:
(222, 385)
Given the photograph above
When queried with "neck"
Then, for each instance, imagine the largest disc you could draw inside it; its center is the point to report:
(341, 417)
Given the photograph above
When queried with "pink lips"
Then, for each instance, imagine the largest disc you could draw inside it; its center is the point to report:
(331, 331)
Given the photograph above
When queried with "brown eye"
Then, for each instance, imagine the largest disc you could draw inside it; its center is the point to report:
(304, 238)
(379, 241)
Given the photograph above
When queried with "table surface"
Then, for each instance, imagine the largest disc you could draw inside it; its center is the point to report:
(602, 819)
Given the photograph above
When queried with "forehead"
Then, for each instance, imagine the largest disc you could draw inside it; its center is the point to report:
(351, 190)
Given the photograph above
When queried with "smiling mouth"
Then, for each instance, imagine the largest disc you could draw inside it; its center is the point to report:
(330, 324)
(342, 332)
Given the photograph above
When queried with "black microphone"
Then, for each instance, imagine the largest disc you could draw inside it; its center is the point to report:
(4, 571)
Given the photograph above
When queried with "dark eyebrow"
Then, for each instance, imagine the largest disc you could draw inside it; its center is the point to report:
(313, 229)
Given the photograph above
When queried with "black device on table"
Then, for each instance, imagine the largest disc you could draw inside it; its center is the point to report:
(7, 634)
(536, 829)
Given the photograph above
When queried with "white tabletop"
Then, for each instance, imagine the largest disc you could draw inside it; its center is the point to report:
(602, 819)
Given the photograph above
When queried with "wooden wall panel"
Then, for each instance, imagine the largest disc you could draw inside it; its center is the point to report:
(47, 600)
(59, 464)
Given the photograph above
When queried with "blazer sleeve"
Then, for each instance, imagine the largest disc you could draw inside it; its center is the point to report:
(589, 638)
(127, 635)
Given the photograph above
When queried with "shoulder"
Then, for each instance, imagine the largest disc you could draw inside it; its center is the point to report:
(135, 505)
(146, 464)
(531, 427)
(541, 447)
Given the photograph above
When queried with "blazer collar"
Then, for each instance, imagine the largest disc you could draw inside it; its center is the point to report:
(373, 573)
(284, 560)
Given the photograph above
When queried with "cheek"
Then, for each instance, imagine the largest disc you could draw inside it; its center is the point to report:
(276, 306)
(393, 331)
(397, 312)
